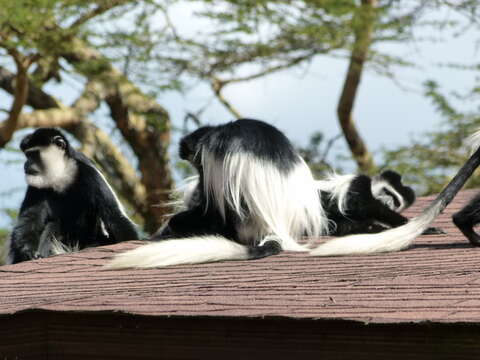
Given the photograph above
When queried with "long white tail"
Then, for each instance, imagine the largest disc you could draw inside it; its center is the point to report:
(401, 237)
(194, 250)
(387, 241)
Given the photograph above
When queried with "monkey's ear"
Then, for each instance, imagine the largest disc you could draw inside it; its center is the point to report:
(60, 142)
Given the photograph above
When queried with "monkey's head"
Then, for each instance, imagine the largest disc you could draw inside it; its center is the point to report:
(388, 188)
(191, 144)
(49, 164)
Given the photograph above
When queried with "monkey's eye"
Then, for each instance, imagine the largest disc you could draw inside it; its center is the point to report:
(32, 154)
(57, 140)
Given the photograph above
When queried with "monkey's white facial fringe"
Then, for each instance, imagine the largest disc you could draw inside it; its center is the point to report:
(59, 170)
(337, 187)
(378, 190)
(285, 205)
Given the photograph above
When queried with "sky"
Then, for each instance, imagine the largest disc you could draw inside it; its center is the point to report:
(300, 101)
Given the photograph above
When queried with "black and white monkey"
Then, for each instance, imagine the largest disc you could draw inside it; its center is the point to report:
(68, 203)
(255, 197)
(356, 204)
(353, 204)
(467, 218)
(361, 204)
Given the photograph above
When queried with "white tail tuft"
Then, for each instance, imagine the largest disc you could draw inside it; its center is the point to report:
(193, 250)
(387, 241)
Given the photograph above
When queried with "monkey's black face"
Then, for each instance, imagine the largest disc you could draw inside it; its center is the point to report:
(48, 163)
(33, 164)
(191, 144)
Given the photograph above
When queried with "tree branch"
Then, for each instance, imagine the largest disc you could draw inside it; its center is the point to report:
(217, 87)
(35, 98)
(144, 124)
(100, 9)
(363, 35)
(20, 94)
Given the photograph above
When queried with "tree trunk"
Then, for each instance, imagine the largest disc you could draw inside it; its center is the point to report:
(95, 142)
(144, 124)
(363, 27)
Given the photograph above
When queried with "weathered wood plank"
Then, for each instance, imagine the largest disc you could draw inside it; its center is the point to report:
(60, 335)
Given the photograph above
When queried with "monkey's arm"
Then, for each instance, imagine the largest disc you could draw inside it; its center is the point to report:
(348, 226)
(117, 223)
(30, 225)
(113, 217)
(368, 210)
(386, 216)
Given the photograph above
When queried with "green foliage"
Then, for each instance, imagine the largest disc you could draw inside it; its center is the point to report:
(267, 32)
(32, 25)
(430, 160)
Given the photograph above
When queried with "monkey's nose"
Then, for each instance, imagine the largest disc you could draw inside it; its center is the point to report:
(30, 170)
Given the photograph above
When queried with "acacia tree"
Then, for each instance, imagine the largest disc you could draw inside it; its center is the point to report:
(254, 38)
(121, 53)
(432, 158)
(51, 40)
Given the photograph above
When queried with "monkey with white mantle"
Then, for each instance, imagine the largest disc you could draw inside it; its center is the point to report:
(68, 204)
(256, 197)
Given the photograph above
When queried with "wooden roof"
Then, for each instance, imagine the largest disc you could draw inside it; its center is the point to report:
(437, 280)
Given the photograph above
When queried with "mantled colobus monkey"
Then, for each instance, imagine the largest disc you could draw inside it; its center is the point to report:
(353, 204)
(356, 204)
(401, 237)
(255, 197)
(68, 204)
(360, 204)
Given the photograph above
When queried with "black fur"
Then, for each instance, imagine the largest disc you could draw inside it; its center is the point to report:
(366, 213)
(260, 139)
(467, 218)
(74, 216)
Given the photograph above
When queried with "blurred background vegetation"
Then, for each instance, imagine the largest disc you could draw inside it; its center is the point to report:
(122, 56)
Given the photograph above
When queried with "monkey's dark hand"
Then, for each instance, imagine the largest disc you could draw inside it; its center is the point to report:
(268, 248)
(433, 231)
